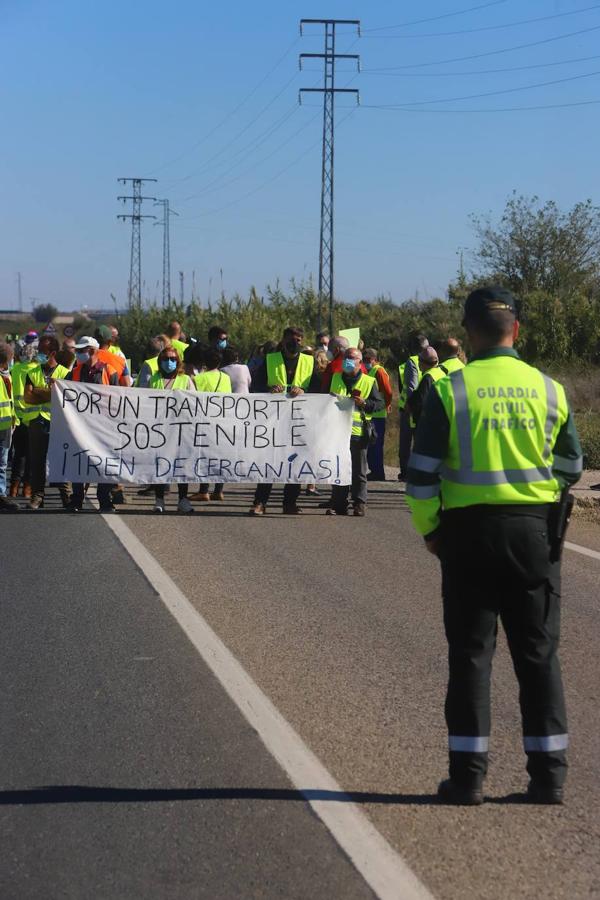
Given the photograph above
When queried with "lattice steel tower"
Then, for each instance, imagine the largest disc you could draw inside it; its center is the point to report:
(134, 293)
(166, 276)
(329, 90)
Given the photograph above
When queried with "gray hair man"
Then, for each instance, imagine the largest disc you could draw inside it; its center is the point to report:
(429, 366)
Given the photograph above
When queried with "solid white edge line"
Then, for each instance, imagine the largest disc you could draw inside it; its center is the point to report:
(576, 548)
(380, 865)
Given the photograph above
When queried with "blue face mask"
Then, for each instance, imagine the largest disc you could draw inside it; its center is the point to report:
(82, 356)
(42, 358)
(222, 344)
(368, 366)
(168, 365)
(348, 366)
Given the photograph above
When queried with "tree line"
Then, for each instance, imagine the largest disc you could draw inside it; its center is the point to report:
(549, 258)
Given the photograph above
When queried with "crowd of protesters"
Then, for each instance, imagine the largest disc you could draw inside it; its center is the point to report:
(29, 366)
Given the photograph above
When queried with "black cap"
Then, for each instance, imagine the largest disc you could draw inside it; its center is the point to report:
(489, 299)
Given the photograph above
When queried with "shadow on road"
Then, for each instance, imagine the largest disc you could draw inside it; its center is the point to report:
(79, 794)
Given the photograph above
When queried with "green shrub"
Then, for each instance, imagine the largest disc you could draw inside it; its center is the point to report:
(588, 426)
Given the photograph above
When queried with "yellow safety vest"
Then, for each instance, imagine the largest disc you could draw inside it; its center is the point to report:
(382, 414)
(38, 380)
(277, 373)
(6, 407)
(179, 346)
(404, 392)
(504, 420)
(452, 365)
(213, 382)
(180, 382)
(152, 364)
(365, 385)
(436, 373)
(18, 376)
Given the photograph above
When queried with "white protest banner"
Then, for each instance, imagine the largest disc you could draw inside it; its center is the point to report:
(145, 436)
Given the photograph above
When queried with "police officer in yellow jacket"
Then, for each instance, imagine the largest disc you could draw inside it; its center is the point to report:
(495, 451)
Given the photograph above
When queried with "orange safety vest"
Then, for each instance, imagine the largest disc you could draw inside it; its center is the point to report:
(107, 371)
(111, 359)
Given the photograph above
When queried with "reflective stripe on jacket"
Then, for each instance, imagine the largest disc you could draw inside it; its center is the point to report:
(36, 376)
(18, 376)
(504, 419)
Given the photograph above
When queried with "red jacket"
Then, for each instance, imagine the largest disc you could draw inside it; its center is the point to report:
(332, 369)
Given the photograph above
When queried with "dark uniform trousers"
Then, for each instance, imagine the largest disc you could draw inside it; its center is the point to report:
(496, 563)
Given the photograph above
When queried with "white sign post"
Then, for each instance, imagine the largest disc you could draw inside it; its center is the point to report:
(142, 436)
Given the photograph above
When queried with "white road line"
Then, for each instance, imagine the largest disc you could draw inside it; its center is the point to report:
(380, 865)
(576, 548)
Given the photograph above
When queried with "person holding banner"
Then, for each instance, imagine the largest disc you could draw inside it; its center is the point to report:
(351, 382)
(170, 376)
(292, 372)
(212, 381)
(90, 369)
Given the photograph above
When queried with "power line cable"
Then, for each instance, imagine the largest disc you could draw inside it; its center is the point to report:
(236, 137)
(210, 189)
(497, 110)
(562, 62)
(441, 62)
(450, 15)
(571, 12)
(247, 149)
(273, 178)
(230, 114)
(525, 87)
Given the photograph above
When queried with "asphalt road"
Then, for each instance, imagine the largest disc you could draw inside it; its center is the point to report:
(338, 621)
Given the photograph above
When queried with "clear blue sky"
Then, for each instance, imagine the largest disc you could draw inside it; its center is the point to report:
(93, 91)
